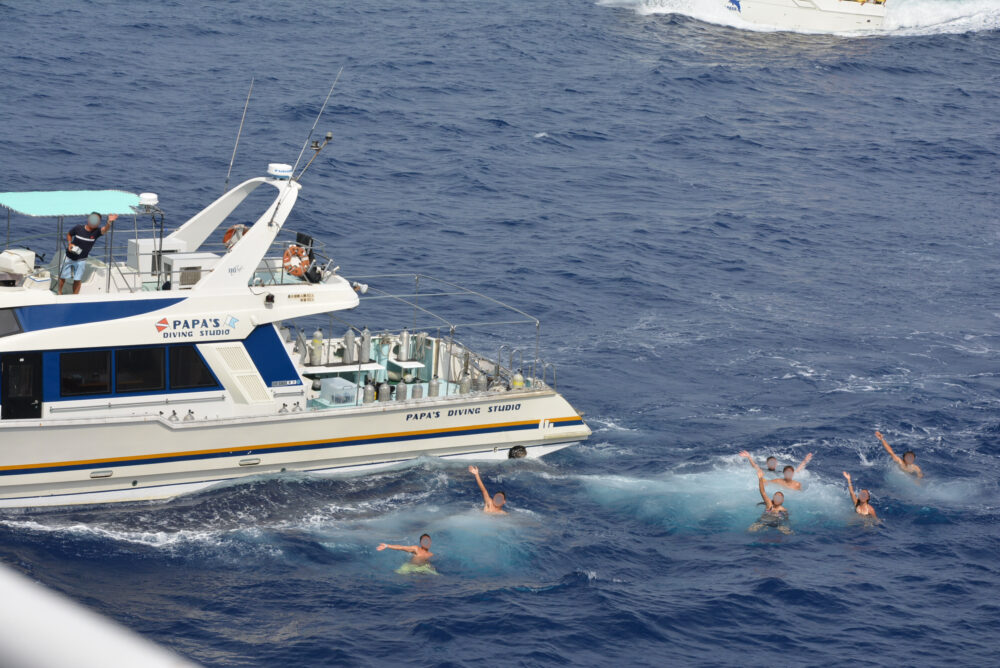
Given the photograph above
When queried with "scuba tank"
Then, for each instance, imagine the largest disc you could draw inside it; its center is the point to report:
(383, 392)
(369, 392)
(316, 348)
(400, 391)
(517, 382)
(418, 391)
(349, 347)
(479, 383)
(465, 384)
(365, 355)
(434, 387)
(404, 346)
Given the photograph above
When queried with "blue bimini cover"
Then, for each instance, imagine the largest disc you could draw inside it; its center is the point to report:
(69, 202)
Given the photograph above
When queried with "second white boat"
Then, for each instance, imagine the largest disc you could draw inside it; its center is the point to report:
(811, 15)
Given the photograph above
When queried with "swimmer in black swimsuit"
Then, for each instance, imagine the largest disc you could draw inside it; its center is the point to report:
(775, 515)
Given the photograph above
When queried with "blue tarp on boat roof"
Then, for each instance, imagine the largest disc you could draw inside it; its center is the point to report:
(70, 202)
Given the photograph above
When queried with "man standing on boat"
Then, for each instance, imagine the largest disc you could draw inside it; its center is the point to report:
(79, 241)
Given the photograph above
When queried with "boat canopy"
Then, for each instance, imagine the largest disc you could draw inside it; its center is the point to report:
(69, 202)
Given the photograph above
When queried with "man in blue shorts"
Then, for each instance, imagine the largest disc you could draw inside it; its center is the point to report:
(79, 241)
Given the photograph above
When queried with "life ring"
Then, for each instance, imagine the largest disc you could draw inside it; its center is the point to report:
(296, 260)
(234, 234)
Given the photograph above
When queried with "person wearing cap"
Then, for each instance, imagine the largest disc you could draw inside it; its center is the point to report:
(491, 504)
(861, 499)
(79, 241)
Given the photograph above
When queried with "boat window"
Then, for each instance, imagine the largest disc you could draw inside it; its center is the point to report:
(187, 370)
(85, 373)
(139, 370)
(9, 323)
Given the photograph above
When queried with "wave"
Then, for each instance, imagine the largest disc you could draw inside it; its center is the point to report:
(902, 18)
(724, 497)
(307, 519)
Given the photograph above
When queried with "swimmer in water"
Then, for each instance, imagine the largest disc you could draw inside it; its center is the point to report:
(905, 462)
(492, 504)
(787, 474)
(420, 561)
(861, 499)
(775, 514)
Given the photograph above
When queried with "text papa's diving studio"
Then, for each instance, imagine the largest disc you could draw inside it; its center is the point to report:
(195, 328)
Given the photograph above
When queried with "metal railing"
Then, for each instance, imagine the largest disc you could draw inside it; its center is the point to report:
(124, 273)
(441, 327)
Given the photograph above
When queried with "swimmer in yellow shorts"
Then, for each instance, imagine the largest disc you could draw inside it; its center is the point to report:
(420, 561)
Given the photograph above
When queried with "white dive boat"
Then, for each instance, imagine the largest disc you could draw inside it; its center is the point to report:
(191, 361)
(812, 15)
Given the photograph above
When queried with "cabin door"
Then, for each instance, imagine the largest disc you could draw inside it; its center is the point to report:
(20, 386)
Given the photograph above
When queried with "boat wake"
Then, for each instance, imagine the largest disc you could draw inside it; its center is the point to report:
(309, 519)
(903, 18)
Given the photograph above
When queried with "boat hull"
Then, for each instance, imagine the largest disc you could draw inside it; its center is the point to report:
(811, 15)
(129, 459)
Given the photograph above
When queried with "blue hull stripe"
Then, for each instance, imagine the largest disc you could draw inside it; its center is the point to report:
(34, 318)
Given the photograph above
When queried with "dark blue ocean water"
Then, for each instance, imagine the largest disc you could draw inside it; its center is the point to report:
(734, 238)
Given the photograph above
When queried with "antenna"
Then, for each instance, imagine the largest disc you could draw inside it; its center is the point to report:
(306, 144)
(225, 188)
(316, 147)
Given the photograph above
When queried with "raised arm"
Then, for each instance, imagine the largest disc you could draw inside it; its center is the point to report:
(888, 448)
(763, 492)
(401, 548)
(850, 488)
(474, 470)
(749, 458)
(112, 218)
(802, 464)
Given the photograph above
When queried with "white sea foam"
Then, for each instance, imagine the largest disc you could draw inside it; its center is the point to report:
(902, 17)
(725, 497)
(929, 491)
(156, 539)
(607, 424)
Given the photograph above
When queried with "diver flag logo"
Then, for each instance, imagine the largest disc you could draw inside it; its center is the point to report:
(231, 321)
(162, 325)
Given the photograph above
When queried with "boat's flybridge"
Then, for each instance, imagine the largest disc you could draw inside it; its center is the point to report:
(208, 272)
(220, 349)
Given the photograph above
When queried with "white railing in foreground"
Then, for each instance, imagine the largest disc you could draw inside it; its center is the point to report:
(43, 629)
